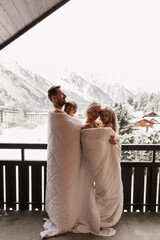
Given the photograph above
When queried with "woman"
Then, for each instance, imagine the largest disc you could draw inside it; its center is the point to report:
(92, 113)
(102, 157)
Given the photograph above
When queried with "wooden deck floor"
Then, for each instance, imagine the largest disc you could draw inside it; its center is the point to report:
(27, 226)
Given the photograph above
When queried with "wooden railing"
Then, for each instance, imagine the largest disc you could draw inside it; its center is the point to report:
(23, 180)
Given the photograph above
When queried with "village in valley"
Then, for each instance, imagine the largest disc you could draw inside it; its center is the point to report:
(12, 119)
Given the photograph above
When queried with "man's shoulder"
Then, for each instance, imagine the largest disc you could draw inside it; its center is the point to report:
(57, 110)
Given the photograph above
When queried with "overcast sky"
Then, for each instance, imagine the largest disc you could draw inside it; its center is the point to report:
(119, 39)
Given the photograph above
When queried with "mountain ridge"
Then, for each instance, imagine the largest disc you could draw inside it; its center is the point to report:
(22, 88)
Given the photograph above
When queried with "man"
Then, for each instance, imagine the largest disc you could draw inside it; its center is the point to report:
(57, 97)
(63, 166)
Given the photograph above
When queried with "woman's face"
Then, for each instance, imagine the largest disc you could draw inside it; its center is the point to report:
(104, 116)
(94, 113)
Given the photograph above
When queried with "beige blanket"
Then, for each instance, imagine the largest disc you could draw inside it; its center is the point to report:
(70, 193)
(64, 154)
(103, 160)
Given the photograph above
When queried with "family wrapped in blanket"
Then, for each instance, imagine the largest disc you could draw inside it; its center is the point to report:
(84, 189)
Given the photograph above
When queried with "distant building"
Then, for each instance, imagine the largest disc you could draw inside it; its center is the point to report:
(149, 120)
(37, 117)
(144, 122)
(9, 117)
(151, 114)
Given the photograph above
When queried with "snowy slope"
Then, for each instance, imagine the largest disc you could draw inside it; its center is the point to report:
(26, 86)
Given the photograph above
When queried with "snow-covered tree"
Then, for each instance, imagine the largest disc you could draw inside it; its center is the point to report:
(130, 101)
(125, 127)
(139, 137)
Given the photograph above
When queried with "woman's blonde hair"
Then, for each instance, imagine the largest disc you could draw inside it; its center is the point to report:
(91, 106)
(112, 117)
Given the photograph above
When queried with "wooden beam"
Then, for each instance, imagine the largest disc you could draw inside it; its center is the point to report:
(23, 11)
(50, 3)
(32, 8)
(32, 24)
(6, 35)
(6, 22)
(42, 6)
(12, 13)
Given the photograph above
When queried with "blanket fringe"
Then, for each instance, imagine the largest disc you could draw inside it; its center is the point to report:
(52, 230)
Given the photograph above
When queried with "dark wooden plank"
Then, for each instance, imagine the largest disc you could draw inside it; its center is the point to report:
(126, 179)
(153, 183)
(138, 189)
(148, 190)
(45, 181)
(36, 187)
(1, 187)
(45, 177)
(24, 186)
(23, 146)
(159, 191)
(11, 187)
(151, 147)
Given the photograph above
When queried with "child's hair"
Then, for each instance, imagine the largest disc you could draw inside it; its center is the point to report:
(92, 105)
(112, 117)
(71, 104)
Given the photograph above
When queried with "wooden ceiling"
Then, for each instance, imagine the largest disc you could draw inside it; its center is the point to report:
(18, 16)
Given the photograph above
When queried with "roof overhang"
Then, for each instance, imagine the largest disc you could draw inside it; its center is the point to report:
(17, 16)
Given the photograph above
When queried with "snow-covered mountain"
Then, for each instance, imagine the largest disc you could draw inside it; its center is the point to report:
(87, 89)
(24, 89)
(115, 91)
(27, 89)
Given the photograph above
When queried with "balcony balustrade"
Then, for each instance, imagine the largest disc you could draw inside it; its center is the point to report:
(23, 180)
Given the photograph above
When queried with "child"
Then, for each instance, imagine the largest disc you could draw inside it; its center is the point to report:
(109, 118)
(70, 108)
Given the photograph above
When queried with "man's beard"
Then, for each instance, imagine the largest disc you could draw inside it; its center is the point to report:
(61, 104)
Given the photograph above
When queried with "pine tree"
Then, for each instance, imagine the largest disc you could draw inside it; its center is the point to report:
(123, 119)
(130, 101)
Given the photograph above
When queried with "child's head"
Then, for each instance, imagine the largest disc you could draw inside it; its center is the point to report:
(70, 108)
(93, 111)
(108, 115)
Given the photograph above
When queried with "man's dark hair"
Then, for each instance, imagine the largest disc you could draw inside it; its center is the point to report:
(52, 91)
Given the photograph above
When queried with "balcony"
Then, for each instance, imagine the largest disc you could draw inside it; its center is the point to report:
(22, 193)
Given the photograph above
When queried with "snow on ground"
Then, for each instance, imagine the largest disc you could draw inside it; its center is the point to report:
(24, 135)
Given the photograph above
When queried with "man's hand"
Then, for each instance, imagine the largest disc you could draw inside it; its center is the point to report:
(113, 139)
